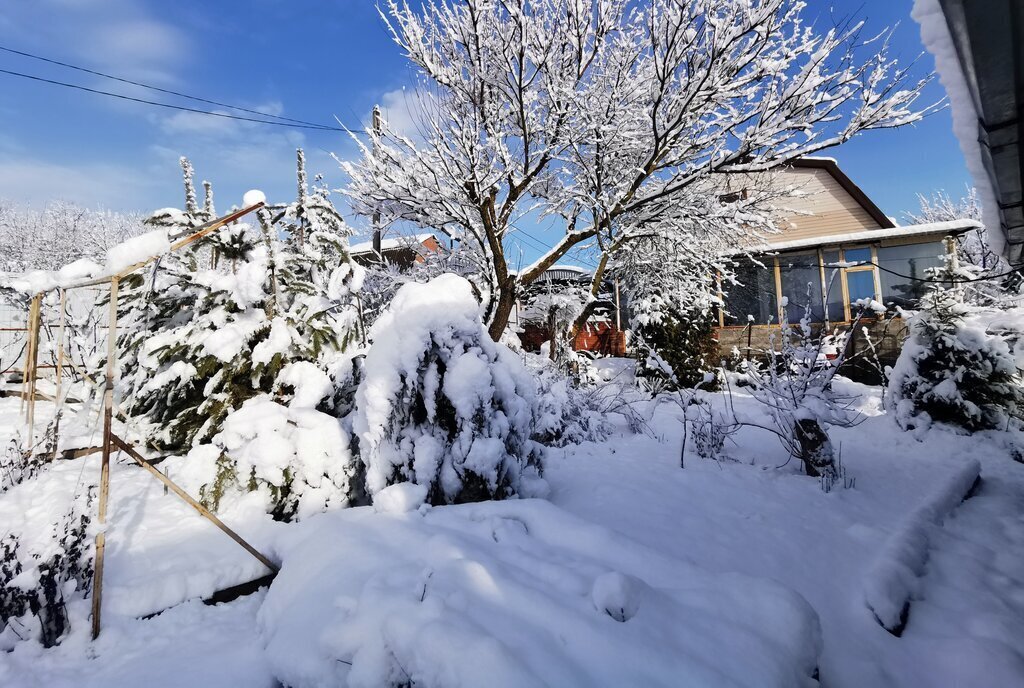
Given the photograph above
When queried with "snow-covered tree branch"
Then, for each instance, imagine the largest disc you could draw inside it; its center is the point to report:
(613, 117)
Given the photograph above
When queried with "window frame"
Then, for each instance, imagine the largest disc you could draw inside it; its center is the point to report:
(872, 266)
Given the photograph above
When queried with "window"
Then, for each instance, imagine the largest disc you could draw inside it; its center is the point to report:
(858, 255)
(754, 295)
(733, 197)
(860, 280)
(801, 287)
(912, 263)
(860, 284)
(833, 287)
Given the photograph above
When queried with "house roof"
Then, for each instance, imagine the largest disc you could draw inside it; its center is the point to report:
(390, 244)
(923, 231)
(987, 37)
(830, 166)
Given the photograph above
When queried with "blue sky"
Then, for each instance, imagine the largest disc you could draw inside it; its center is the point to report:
(303, 59)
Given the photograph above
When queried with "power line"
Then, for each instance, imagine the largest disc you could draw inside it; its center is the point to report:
(545, 247)
(315, 127)
(161, 90)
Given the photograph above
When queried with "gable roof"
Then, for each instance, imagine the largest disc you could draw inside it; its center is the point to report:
(391, 243)
(932, 230)
(830, 166)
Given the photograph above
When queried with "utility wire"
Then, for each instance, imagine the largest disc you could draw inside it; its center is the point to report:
(545, 247)
(161, 90)
(315, 127)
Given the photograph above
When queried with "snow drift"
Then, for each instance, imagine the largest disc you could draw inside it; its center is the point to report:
(893, 578)
(520, 593)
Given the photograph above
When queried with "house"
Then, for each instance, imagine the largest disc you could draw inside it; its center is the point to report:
(401, 251)
(836, 250)
(979, 53)
(603, 334)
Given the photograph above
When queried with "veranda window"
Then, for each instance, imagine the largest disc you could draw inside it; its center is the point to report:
(905, 270)
(800, 276)
(754, 295)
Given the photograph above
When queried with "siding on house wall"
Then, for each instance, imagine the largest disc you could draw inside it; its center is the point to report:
(834, 210)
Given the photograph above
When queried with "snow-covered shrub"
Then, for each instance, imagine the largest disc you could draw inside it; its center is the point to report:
(36, 585)
(794, 387)
(441, 404)
(17, 464)
(709, 429)
(684, 346)
(297, 456)
(566, 412)
(952, 371)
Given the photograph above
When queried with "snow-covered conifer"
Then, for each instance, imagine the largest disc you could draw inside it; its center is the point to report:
(952, 371)
(224, 361)
(442, 405)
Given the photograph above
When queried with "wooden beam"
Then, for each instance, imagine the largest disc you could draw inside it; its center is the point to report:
(203, 511)
(242, 589)
(204, 230)
(108, 412)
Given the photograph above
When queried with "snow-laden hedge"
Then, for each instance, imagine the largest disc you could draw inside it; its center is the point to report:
(893, 577)
(441, 404)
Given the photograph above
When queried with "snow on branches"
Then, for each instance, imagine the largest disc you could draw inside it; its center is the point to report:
(611, 117)
(236, 349)
(951, 370)
(443, 406)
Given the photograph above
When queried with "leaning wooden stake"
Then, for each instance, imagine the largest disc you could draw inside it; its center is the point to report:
(60, 342)
(203, 511)
(58, 401)
(108, 412)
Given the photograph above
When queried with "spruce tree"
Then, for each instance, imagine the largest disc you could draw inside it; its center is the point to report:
(267, 322)
(952, 371)
(684, 341)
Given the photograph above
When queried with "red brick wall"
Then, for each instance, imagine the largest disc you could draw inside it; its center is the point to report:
(602, 338)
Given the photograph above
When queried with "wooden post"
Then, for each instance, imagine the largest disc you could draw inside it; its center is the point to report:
(108, 412)
(60, 342)
(57, 400)
(203, 511)
(24, 366)
(31, 364)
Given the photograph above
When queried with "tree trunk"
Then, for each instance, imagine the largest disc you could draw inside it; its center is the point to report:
(815, 447)
(503, 308)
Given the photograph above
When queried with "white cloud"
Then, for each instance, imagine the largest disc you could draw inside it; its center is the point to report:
(401, 109)
(111, 186)
(116, 35)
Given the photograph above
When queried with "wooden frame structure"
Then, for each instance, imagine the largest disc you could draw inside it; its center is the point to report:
(111, 443)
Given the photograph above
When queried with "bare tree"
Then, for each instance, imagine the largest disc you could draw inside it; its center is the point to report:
(59, 234)
(613, 116)
(941, 207)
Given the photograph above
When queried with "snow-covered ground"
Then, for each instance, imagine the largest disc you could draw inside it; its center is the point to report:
(634, 572)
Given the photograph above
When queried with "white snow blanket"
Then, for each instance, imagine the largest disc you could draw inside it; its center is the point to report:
(893, 577)
(520, 593)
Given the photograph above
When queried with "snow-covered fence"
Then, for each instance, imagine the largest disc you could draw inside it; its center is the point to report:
(12, 336)
(893, 577)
